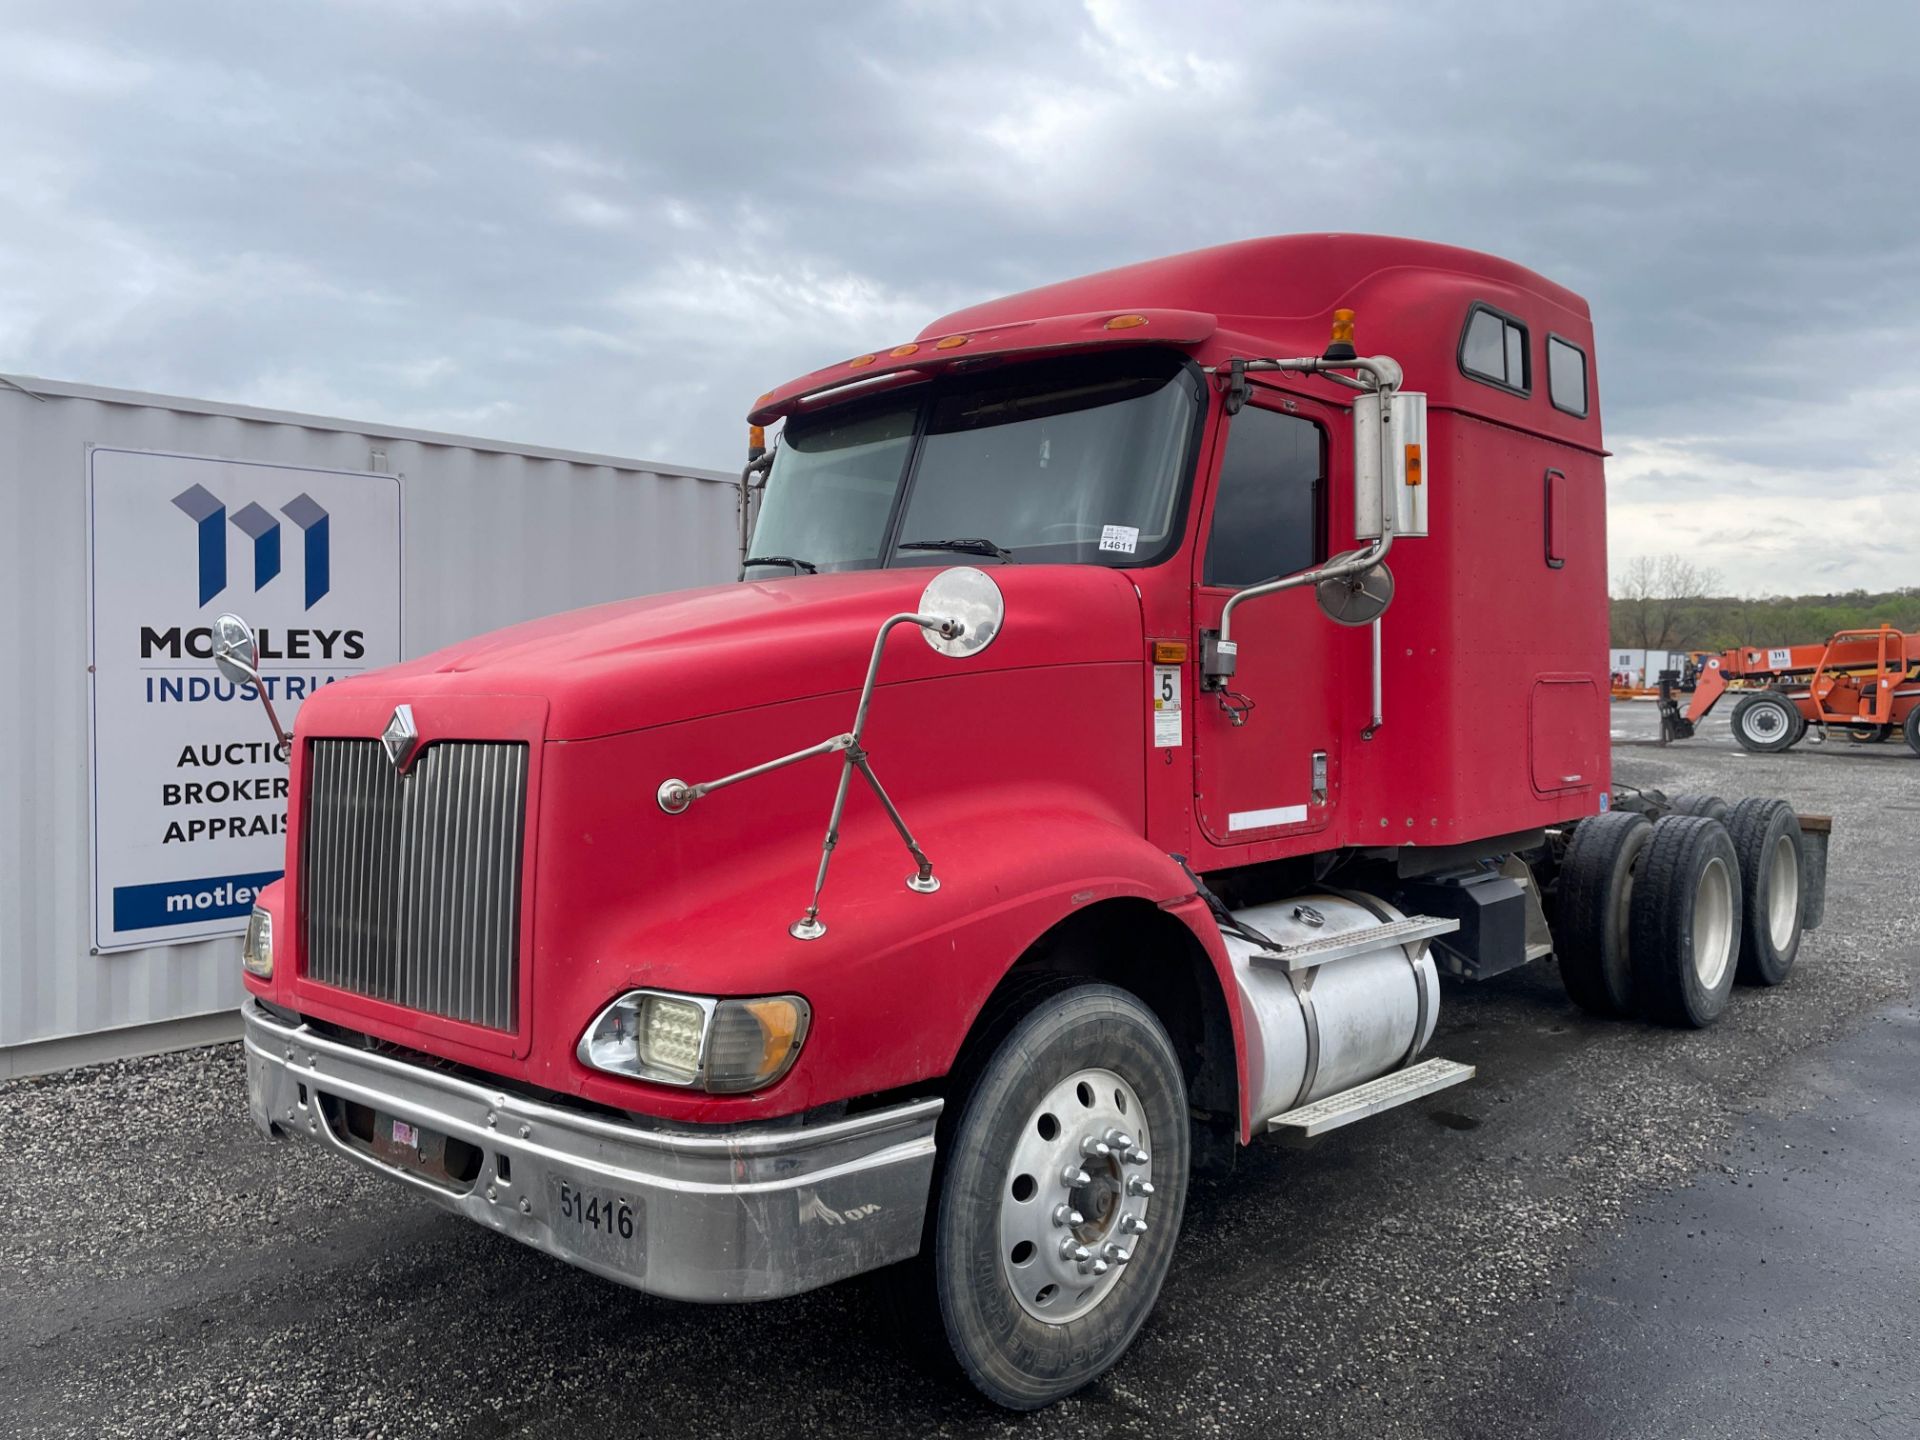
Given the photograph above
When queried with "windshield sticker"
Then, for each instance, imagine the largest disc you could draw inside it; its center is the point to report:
(1123, 538)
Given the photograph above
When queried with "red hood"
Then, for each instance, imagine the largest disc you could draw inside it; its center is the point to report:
(662, 659)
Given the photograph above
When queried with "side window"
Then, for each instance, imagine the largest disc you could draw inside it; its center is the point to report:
(1493, 349)
(1566, 375)
(1268, 513)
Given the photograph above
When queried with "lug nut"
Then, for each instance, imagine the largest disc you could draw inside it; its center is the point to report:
(1064, 1214)
(1137, 1186)
(1132, 1224)
(1072, 1249)
(1117, 1254)
(1073, 1177)
(1099, 1267)
(1135, 1156)
(1118, 1139)
(1094, 1149)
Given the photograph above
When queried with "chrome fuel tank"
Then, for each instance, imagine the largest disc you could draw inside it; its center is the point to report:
(1325, 1029)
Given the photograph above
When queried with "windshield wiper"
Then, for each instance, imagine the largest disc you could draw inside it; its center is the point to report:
(798, 565)
(965, 545)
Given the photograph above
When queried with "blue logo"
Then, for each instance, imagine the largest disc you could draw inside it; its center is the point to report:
(209, 515)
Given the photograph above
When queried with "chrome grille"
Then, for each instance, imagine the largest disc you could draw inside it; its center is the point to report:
(410, 884)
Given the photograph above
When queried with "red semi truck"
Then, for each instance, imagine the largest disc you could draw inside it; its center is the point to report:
(1018, 836)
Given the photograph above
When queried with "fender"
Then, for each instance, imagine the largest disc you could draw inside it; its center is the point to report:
(893, 963)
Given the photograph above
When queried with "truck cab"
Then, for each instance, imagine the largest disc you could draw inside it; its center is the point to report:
(1053, 805)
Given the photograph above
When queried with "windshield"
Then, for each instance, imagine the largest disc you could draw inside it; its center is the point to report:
(1079, 461)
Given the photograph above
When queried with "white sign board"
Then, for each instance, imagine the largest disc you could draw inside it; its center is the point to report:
(189, 800)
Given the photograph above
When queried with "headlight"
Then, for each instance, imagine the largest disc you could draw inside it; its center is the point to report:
(723, 1046)
(256, 951)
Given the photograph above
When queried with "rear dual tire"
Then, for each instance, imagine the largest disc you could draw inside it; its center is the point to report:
(1766, 837)
(1684, 923)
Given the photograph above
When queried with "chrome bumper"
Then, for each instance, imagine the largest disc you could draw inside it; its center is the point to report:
(742, 1215)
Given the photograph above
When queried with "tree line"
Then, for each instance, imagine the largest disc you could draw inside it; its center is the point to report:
(1667, 602)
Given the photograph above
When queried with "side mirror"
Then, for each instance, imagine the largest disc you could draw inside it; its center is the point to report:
(1389, 463)
(1356, 599)
(969, 608)
(237, 654)
(236, 651)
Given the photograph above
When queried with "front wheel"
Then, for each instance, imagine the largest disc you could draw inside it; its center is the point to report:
(1063, 1186)
(1767, 721)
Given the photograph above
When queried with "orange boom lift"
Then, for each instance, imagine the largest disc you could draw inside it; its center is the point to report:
(1866, 682)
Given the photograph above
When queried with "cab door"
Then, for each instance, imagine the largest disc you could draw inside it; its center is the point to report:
(1267, 750)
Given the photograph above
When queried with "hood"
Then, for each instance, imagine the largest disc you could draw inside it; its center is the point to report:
(635, 664)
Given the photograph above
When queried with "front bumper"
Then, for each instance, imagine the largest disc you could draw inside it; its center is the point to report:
(743, 1215)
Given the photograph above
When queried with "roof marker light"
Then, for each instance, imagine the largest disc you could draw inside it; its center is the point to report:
(859, 360)
(1126, 322)
(951, 342)
(907, 349)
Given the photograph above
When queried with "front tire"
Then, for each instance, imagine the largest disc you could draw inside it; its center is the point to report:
(1033, 1303)
(1767, 722)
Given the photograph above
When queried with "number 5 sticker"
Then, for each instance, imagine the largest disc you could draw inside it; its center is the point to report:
(1166, 706)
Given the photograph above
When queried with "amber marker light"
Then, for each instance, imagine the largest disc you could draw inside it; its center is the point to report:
(907, 349)
(1126, 322)
(1413, 465)
(860, 360)
(1340, 340)
(951, 342)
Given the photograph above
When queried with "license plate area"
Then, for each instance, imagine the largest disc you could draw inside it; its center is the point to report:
(395, 1141)
(597, 1221)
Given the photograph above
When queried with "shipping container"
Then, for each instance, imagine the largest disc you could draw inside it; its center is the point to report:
(127, 521)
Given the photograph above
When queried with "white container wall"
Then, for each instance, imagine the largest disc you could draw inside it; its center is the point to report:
(490, 534)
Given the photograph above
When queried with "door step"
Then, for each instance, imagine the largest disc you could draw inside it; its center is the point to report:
(1372, 1097)
(1295, 958)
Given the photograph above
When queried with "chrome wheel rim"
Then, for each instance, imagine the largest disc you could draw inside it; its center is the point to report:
(1713, 923)
(1075, 1199)
(1783, 893)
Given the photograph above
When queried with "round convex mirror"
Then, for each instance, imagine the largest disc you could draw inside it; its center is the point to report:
(969, 596)
(1356, 599)
(235, 651)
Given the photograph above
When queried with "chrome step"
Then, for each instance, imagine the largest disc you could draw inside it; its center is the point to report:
(1372, 1097)
(1295, 958)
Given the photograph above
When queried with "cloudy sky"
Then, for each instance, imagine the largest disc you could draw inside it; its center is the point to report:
(609, 226)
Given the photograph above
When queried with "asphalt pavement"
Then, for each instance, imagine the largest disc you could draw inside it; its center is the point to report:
(1615, 1230)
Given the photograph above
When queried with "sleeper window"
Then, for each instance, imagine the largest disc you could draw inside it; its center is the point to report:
(1566, 376)
(1494, 349)
(1267, 511)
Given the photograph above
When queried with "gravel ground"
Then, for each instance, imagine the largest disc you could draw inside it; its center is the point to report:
(1442, 1270)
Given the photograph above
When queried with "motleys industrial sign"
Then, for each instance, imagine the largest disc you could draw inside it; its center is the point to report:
(189, 797)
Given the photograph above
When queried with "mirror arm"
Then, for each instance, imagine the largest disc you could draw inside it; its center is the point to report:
(1349, 565)
(283, 742)
(760, 465)
(674, 796)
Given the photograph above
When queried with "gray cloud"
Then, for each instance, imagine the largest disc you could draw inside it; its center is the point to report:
(611, 226)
